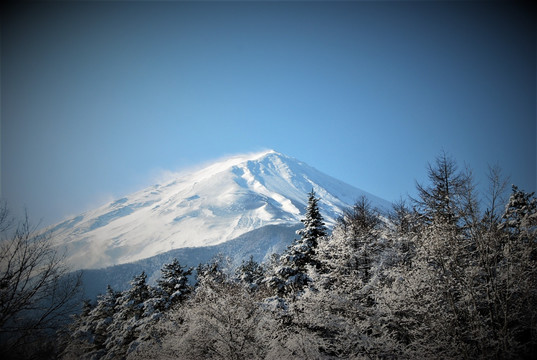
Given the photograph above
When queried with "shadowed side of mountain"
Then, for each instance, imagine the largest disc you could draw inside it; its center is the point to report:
(259, 243)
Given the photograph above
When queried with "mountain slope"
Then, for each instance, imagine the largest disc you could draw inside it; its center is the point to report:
(258, 244)
(202, 208)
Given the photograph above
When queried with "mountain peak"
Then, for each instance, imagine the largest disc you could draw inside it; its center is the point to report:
(267, 152)
(252, 156)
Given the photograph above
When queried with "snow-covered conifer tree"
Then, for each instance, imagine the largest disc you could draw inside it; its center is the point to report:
(250, 273)
(214, 272)
(134, 311)
(314, 227)
(173, 284)
(520, 216)
(291, 276)
(89, 332)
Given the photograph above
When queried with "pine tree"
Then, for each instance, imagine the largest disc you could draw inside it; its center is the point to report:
(302, 252)
(89, 331)
(173, 284)
(314, 227)
(250, 273)
(134, 310)
(215, 271)
(292, 274)
(102, 315)
(521, 213)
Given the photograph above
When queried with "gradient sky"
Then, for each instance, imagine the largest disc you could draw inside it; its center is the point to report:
(99, 98)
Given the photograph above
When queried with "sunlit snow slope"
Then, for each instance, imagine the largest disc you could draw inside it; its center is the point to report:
(205, 207)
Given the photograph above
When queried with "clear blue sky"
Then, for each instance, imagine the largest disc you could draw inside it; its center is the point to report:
(98, 97)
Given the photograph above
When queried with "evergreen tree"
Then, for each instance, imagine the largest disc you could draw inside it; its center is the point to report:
(520, 216)
(89, 331)
(314, 227)
(213, 272)
(250, 273)
(291, 276)
(173, 284)
(102, 315)
(135, 308)
(131, 301)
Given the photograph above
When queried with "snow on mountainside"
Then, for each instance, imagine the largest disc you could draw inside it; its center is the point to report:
(206, 207)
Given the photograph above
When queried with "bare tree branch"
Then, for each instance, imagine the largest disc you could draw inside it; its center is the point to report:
(37, 291)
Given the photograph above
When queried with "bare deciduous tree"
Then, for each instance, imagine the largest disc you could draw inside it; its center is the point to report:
(36, 289)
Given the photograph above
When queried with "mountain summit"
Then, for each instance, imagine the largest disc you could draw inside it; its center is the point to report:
(202, 208)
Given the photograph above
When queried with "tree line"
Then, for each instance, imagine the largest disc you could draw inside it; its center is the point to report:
(444, 275)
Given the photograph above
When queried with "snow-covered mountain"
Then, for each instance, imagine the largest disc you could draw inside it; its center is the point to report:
(203, 208)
